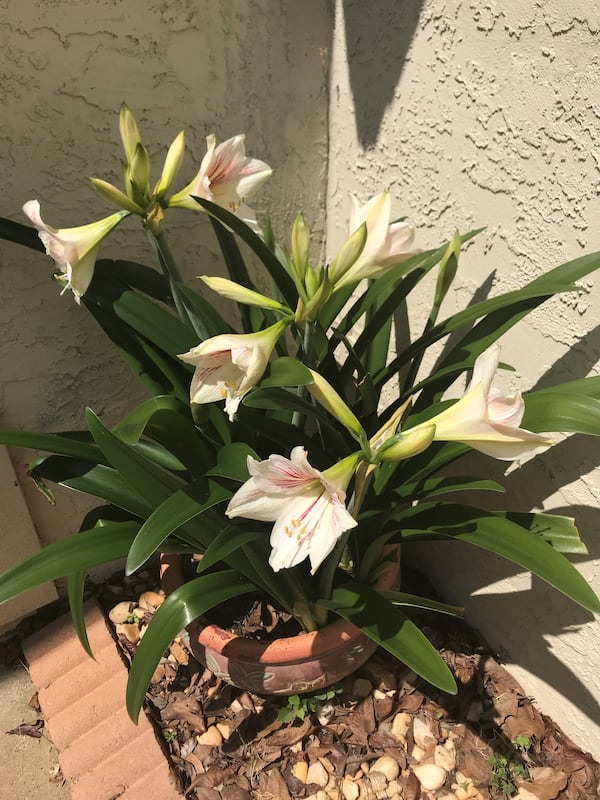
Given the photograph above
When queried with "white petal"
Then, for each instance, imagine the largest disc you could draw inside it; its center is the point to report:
(507, 410)
(484, 369)
(252, 502)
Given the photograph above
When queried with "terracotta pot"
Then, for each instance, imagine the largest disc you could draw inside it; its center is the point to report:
(302, 663)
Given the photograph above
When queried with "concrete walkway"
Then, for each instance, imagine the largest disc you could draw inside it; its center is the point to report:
(26, 764)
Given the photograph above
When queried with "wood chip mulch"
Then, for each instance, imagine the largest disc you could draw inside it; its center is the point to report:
(382, 734)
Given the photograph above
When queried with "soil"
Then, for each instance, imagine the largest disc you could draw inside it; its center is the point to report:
(381, 733)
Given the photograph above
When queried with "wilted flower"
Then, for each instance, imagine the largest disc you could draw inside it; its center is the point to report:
(307, 506)
(486, 419)
(384, 245)
(229, 365)
(73, 249)
(227, 177)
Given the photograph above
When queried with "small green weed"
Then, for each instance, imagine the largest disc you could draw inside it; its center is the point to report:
(169, 734)
(505, 772)
(298, 707)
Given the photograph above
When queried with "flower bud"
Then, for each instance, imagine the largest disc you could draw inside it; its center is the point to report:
(447, 270)
(240, 294)
(407, 445)
(172, 165)
(300, 247)
(348, 253)
(115, 196)
(130, 134)
(326, 396)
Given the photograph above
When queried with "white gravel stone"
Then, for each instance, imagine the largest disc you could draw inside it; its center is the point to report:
(317, 774)
(388, 766)
(431, 776)
(422, 734)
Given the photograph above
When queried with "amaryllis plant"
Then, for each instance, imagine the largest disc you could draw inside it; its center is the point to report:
(296, 451)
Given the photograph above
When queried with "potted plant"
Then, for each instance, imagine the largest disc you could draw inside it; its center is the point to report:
(282, 451)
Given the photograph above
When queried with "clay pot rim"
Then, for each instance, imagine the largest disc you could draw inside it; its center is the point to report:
(337, 634)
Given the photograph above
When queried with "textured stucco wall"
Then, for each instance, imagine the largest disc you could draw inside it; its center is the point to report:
(485, 113)
(201, 65)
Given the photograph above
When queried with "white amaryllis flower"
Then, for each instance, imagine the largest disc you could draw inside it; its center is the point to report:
(385, 245)
(229, 365)
(73, 249)
(486, 419)
(227, 176)
(307, 506)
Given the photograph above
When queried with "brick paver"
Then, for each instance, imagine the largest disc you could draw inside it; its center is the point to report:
(102, 753)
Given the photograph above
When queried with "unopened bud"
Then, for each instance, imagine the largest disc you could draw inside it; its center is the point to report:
(348, 253)
(407, 445)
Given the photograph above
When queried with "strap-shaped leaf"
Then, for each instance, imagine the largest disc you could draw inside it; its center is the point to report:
(501, 536)
(426, 603)
(153, 483)
(272, 264)
(387, 625)
(287, 371)
(52, 443)
(557, 530)
(232, 462)
(96, 480)
(235, 267)
(225, 543)
(167, 420)
(181, 607)
(212, 322)
(432, 487)
(154, 323)
(559, 410)
(20, 234)
(181, 507)
(68, 556)
(75, 587)
(499, 316)
(138, 276)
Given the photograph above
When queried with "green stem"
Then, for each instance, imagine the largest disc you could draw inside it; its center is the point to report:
(328, 570)
(307, 358)
(170, 269)
(416, 363)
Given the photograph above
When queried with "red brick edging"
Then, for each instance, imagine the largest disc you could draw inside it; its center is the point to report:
(102, 753)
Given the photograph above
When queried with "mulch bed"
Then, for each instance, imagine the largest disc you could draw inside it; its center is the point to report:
(383, 733)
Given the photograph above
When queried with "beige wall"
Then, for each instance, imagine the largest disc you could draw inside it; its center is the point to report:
(205, 66)
(489, 114)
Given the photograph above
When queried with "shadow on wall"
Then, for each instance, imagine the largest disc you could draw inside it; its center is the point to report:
(377, 44)
(538, 612)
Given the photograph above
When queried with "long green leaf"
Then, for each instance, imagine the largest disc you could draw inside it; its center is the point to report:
(167, 420)
(210, 319)
(153, 483)
(136, 356)
(138, 276)
(20, 234)
(96, 480)
(564, 411)
(189, 601)
(416, 601)
(68, 556)
(432, 487)
(558, 531)
(52, 443)
(385, 624)
(75, 587)
(225, 543)
(181, 507)
(272, 264)
(500, 317)
(503, 537)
